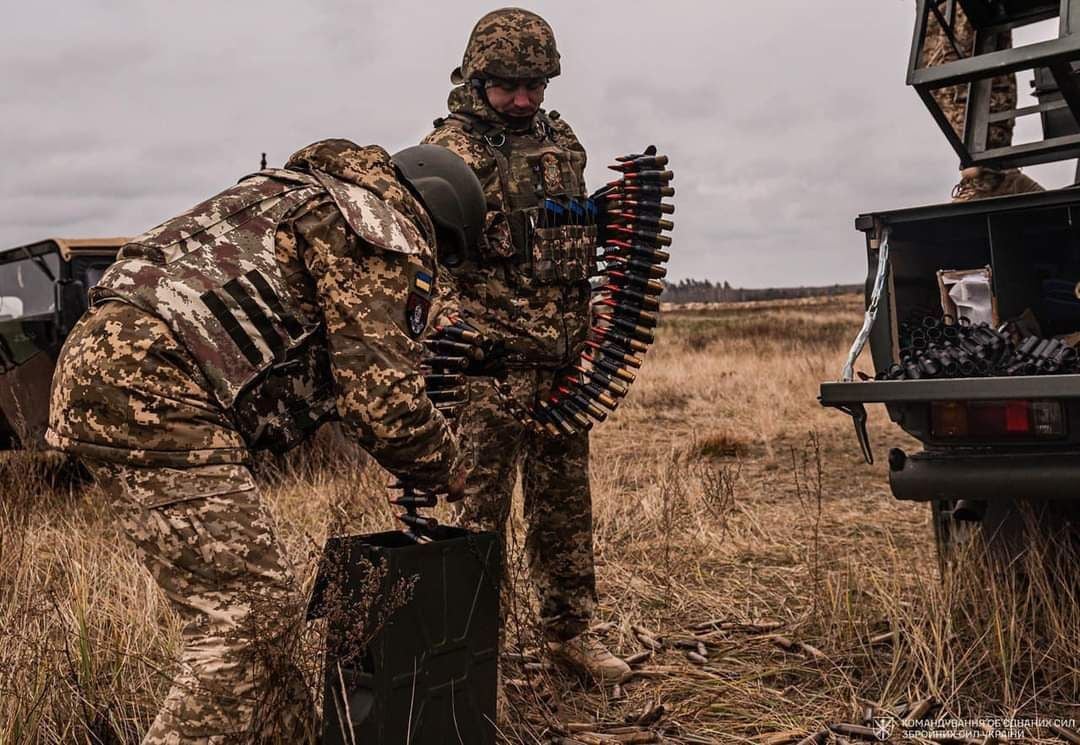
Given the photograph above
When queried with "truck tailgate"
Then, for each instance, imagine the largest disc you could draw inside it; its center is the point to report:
(949, 389)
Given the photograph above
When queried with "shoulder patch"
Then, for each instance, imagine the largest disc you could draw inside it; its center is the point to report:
(372, 219)
(416, 314)
(418, 303)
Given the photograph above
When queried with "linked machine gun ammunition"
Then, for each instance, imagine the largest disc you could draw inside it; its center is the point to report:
(632, 220)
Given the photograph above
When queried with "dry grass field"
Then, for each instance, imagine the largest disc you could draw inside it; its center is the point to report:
(731, 512)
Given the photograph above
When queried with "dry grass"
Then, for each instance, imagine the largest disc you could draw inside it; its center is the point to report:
(722, 492)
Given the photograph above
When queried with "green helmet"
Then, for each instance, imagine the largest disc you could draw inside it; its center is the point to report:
(450, 192)
(509, 43)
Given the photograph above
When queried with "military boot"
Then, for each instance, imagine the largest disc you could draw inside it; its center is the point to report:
(979, 182)
(585, 654)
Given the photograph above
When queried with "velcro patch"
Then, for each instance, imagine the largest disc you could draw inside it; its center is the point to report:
(422, 283)
(416, 314)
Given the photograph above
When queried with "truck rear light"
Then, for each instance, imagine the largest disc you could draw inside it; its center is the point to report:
(949, 418)
(995, 420)
(1048, 418)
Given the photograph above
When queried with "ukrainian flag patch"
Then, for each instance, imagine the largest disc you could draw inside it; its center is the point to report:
(422, 283)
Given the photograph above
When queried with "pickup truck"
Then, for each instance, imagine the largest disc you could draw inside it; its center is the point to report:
(43, 292)
(990, 444)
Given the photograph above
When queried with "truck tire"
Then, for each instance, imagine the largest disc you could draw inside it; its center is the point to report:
(1009, 528)
(950, 535)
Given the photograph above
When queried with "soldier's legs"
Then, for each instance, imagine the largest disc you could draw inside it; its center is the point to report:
(493, 441)
(559, 538)
(209, 542)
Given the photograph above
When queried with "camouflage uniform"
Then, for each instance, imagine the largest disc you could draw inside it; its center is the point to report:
(243, 324)
(977, 182)
(528, 287)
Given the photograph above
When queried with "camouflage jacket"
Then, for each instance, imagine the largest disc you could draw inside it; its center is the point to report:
(292, 291)
(529, 284)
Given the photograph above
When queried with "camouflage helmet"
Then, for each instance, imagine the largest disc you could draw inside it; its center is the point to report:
(509, 43)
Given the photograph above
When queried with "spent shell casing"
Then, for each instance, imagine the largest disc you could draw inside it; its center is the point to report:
(1027, 346)
(622, 340)
(612, 368)
(583, 403)
(610, 350)
(643, 235)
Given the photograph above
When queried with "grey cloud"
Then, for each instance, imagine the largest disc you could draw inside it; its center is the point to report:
(783, 119)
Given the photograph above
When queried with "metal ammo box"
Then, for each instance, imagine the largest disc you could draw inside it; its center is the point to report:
(426, 675)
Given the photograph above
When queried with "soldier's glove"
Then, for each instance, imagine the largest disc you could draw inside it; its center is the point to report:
(601, 201)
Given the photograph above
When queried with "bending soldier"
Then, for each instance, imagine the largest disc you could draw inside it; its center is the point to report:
(976, 182)
(528, 287)
(294, 297)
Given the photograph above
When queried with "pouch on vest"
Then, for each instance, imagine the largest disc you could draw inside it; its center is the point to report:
(553, 249)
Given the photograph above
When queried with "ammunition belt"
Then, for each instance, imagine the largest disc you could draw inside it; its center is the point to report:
(626, 300)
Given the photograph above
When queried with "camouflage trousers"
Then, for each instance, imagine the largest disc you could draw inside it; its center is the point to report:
(127, 399)
(208, 540)
(557, 499)
(939, 49)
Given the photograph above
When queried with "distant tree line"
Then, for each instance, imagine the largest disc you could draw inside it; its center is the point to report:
(706, 291)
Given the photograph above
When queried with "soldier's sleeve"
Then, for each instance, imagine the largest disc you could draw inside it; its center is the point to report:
(565, 136)
(364, 294)
(476, 155)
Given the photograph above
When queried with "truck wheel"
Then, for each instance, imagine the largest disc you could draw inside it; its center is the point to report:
(1013, 527)
(950, 535)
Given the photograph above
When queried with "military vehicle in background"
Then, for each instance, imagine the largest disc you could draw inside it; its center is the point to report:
(1000, 442)
(43, 292)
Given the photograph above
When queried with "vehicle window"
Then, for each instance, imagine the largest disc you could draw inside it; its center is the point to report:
(93, 275)
(26, 288)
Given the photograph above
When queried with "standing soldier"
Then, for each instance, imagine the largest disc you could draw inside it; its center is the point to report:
(976, 182)
(529, 287)
(293, 297)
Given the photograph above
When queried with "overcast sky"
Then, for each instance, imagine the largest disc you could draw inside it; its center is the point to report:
(783, 118)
